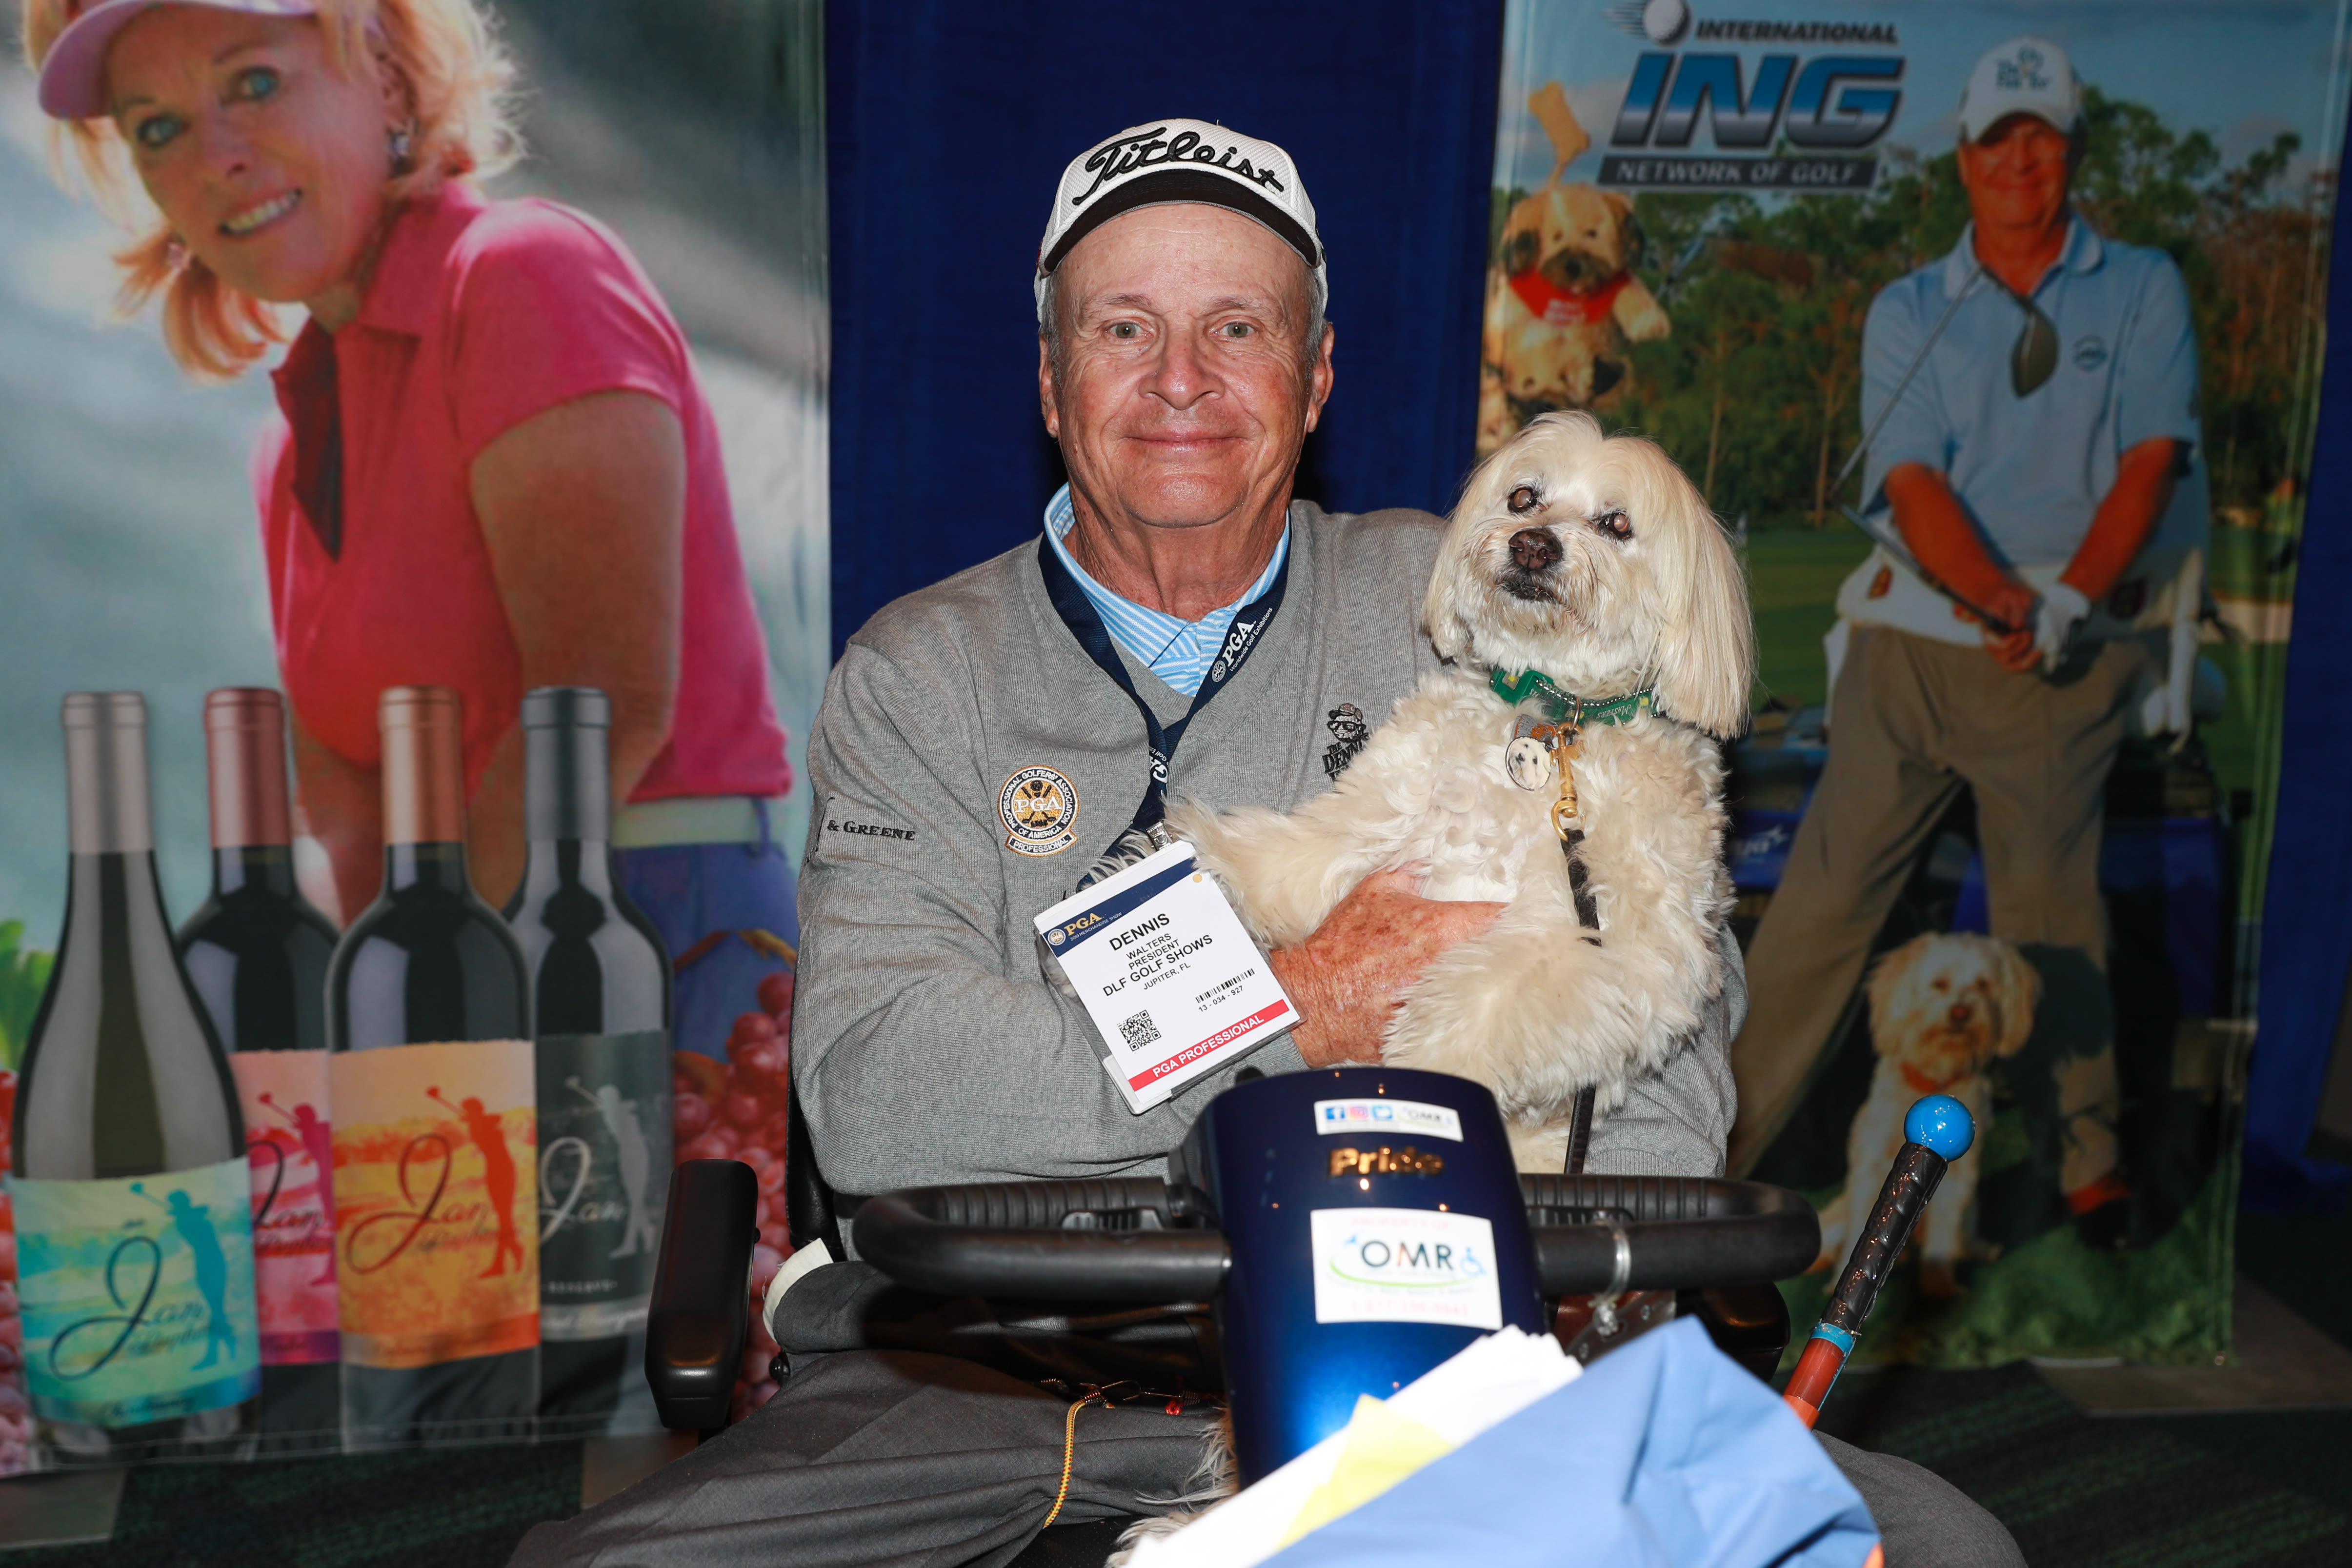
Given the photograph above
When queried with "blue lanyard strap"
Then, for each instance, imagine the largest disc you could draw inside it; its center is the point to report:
(1241, 639)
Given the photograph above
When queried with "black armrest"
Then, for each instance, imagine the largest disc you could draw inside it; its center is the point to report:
(695, 1327)
(809, 1204)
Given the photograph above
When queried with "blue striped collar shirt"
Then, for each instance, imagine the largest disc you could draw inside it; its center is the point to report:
(1179, 652)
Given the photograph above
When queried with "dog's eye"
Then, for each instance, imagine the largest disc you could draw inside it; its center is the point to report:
(1943, 985)
(1615, 525)
(1524, 501)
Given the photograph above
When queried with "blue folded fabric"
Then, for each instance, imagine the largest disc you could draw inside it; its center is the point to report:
(1666, 1452)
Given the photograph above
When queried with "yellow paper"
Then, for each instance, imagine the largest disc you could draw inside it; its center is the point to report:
(1381, 1450)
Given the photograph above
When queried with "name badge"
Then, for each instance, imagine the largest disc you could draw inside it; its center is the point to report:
(1175, 987)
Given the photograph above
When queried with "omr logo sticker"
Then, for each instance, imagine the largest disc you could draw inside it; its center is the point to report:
(1404, 1266)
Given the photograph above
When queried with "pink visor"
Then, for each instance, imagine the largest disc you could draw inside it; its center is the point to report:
(73, 77)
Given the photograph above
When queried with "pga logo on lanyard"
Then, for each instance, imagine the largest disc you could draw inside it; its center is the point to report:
(1039, 808)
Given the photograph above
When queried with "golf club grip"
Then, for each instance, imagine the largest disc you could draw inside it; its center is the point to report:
(1919, 1170)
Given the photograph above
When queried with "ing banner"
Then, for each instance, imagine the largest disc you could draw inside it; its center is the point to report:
(1961, 323)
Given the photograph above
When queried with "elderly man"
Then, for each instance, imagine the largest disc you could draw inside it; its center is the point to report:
(1182, 358)
(1182, 624)
(2034, 395)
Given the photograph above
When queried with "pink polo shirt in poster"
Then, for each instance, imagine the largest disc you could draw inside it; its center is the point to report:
(482, 314)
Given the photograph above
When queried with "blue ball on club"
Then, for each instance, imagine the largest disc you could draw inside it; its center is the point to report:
(1942, 1124)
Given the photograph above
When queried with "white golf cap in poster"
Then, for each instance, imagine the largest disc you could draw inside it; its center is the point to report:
(2023, 76)
(1164, 161)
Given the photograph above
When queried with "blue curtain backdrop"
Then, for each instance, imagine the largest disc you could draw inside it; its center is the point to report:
(949, 122)
(2307, 909)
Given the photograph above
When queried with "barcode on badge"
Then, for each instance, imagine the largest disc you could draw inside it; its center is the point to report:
(1140, 1031)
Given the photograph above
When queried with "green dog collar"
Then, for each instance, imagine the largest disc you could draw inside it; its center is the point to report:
(1567, 708)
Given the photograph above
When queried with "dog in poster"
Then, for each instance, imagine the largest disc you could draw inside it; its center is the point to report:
(1943, 1008)
(1562, 303)
(1593, 561)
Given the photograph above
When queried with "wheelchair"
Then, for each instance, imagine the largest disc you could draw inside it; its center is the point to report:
(1614, 1255)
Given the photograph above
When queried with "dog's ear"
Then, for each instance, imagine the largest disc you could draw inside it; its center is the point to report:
(1445, 611)
(1706, 651)
(1634, 239)
(1520, 252)
(2021, 993)
(1886, 977)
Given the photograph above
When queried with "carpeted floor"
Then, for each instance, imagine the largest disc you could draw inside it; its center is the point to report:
(2215, 1491)
(455, 1508)
(2181, 1491)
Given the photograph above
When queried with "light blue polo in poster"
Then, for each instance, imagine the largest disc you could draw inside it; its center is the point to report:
(2030, 470)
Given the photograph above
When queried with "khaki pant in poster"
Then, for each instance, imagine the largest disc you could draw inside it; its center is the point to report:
(1913, 721)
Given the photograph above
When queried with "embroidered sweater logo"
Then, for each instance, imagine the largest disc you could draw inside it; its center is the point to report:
(1039, 808)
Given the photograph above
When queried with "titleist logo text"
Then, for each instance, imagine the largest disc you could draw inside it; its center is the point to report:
(1144, 149)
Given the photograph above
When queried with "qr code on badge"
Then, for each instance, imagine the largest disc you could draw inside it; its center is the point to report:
(1139, 1030)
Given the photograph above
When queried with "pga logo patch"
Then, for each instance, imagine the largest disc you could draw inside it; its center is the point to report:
(1039, 808)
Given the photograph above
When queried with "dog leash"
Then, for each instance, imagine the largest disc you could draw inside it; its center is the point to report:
(1561, 740)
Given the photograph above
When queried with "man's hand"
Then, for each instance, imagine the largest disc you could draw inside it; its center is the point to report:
(2063, 609)
(1350, 975)
(1944, 544)
(2016, 606)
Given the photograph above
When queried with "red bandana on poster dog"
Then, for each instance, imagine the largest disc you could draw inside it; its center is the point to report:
(1568, 307)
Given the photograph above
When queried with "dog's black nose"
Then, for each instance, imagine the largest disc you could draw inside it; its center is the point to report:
(1959, 1013)
(1533, 549)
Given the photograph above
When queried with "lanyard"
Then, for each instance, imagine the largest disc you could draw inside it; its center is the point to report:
(1242, 638)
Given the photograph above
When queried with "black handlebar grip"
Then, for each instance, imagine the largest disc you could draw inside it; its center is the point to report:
(1005, 1240)
(700, 1311)
(1681, 1232)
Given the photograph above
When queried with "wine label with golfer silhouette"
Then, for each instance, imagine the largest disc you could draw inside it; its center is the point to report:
(436, 1181)
(291, 1152)
(604, 1176)
(138, 1295)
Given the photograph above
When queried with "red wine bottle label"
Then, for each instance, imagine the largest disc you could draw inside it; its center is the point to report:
(604, 1176)
(436, 1175)
(138, 1295)
(291, 1148)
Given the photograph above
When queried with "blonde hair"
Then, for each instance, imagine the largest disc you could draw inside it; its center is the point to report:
(459, 81)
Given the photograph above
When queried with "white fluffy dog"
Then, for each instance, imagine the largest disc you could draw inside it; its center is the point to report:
(1942, 1007)
(1595, 561)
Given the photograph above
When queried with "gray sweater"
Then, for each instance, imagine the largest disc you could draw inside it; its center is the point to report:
(927, 1047)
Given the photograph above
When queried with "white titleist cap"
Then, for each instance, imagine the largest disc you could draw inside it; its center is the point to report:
(2023, 76)
(1165, 161)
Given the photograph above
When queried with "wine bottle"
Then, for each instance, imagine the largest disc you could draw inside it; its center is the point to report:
(134, 1230)
(256, 953)
(428, 1027)
(600, 992)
